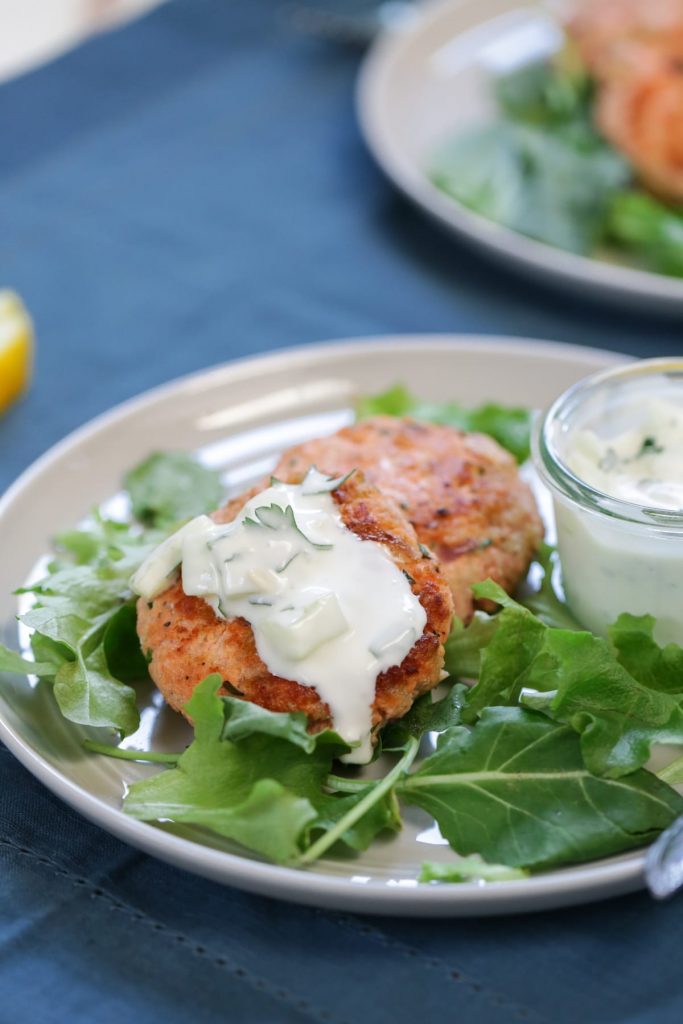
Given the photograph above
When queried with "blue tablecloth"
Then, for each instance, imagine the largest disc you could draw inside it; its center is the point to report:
(186, 190)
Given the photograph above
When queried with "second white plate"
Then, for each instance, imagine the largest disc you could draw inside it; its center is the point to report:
(429, 78)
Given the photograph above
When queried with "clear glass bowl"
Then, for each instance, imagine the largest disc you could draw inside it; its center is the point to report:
(616, 555)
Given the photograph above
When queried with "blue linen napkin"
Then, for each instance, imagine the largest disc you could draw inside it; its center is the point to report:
(186, 190)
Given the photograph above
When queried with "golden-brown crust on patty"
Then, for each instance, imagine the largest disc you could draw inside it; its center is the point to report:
(187, 641)
(462, 493)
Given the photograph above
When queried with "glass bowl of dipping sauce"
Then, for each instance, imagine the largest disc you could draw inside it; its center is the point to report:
(610, 449)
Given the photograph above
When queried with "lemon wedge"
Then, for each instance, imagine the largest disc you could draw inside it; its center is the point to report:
(16, 348)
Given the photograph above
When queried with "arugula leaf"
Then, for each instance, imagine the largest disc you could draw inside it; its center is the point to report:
(647, 228)
(257, 777)
(574, 678)
(83, 624)
(426, 715)
(256, 792)
(558, 100)
(48, 651)
(508, 425)
(468, 869)
(659, 668)
(466, 642)
(85, 689)
(111, 546)
(580, 683)
(372, 808)
(546, 603)
(12, 662)
(672, 773)
(131, 753)
(87, 693)
(242, 719)
(395, 401)
(56, 622)
(83, 621)
(81, 591)
(506, 657)
(553, 95)
(336, 812)
(168, 487)
(538, 183)
(121, 646)
(515, 790)
(543, 169)
(83, 545)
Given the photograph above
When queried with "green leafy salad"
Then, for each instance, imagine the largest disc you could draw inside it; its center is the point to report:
(542, 169)
(532, 753)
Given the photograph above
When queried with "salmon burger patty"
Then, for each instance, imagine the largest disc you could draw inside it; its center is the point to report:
(186, 640)
(462, 493)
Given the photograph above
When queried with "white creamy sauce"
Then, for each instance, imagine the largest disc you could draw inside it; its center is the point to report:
(631, 448)
(328, 610)
(643, 464)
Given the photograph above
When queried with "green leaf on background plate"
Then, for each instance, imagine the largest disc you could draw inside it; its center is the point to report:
(648, 229)
(546, 185)
(554, 95)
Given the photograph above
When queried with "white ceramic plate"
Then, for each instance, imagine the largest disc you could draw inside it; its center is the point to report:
(238, 417)
(427, 79)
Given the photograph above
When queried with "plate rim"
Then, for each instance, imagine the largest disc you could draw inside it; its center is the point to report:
(310, 886)
(509, 247)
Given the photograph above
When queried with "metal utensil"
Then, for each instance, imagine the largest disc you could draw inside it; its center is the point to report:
(355, 22)
(664, 862)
